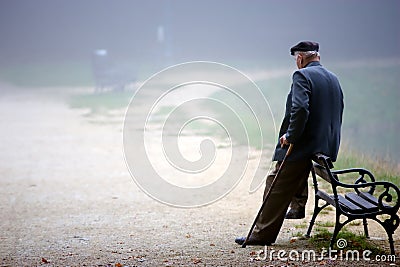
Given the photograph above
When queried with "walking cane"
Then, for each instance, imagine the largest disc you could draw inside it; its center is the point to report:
(267, 195)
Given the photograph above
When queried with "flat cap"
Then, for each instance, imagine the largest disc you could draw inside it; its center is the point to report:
(304, 46)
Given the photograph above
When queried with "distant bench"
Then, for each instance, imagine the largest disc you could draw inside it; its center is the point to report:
(368, 199)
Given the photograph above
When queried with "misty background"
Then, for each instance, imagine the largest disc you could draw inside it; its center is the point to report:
(140, 32)
(51, 43)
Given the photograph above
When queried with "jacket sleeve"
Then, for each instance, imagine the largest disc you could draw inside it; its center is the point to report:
(301, 91)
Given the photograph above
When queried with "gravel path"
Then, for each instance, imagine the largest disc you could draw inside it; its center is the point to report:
(67, 199)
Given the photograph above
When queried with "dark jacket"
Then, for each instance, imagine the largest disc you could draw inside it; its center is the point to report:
(313, 115)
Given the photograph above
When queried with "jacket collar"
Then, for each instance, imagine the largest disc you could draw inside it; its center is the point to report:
(313, 63)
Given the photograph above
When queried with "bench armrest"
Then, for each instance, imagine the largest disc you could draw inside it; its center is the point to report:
(363, 173)
(360, 171)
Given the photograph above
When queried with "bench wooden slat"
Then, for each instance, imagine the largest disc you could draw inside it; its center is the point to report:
(321, 172)
(346, 204)
(369, 197)
(361, 202)
(326, 197)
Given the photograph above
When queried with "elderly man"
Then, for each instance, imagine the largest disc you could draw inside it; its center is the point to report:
(312, 123)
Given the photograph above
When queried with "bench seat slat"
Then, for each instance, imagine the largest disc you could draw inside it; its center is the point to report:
(369, 197)
(361, 202)
(326, 197)
(346, 204)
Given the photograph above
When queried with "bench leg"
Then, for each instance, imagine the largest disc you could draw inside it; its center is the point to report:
(365, 223)
(390, 225)
(338, 227)
(391, 244)
(317, 210)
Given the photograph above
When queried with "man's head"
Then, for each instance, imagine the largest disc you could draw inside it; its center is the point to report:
(305, 52)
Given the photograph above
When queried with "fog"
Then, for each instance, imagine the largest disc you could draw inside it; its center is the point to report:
(51, 43)
(92, 141)
(174, 31)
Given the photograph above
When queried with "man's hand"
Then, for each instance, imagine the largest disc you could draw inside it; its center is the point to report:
(283, 141)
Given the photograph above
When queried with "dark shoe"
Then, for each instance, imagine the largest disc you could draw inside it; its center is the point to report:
(240, 240)
(251, 241)
(295, 214)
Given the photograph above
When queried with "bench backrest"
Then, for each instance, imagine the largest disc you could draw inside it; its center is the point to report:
(322, 165)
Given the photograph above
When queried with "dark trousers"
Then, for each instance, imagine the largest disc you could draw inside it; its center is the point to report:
(290, 188)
